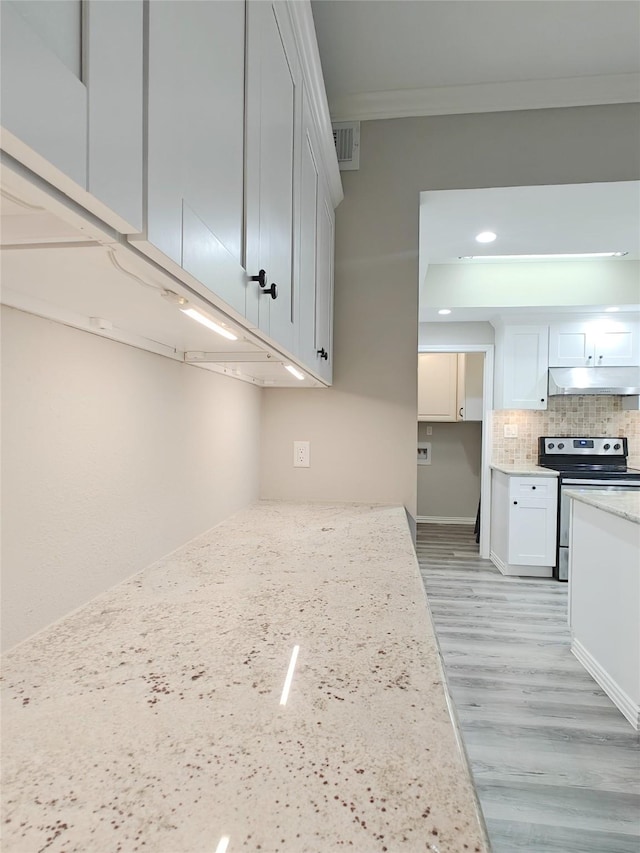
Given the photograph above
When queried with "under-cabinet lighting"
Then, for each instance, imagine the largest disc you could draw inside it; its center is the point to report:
(542, 257)
(486, 237)
(613, 308)
(294, 371)
(444, 311)
(202, 318)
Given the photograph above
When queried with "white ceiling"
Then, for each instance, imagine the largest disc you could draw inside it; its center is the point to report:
(387, 58)
(598, 217)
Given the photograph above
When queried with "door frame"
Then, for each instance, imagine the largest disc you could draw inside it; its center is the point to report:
(487, 429)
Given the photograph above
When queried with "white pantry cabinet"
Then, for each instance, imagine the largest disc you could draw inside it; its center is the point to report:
(521, 368)
(594, 343)
(523, 524)
(70, 112)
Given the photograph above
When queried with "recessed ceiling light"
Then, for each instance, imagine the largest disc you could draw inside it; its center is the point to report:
(486, 237)
(294, 371)
(205, 321)
(444, 311)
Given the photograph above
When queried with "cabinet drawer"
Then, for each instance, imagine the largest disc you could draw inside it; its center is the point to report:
(540, 487)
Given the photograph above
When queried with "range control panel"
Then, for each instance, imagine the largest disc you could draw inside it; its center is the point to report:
(572, 446)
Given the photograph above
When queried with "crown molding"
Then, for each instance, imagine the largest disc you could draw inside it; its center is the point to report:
(489, 97)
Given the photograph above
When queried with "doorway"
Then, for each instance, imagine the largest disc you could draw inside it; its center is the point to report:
(454, 446)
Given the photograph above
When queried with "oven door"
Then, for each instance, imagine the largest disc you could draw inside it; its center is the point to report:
(581, 485)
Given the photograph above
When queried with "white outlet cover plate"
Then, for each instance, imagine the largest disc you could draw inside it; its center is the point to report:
(301, 454)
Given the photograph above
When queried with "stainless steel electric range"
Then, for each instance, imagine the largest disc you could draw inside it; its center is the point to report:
(584, 464)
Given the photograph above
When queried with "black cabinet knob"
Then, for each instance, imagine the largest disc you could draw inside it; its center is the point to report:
(515, 503)
(261, 278)
(272, 291)
(533, 487)
(542, 399)
(322, 353)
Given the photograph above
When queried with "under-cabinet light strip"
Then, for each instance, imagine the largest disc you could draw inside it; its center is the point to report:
(205, 321)
(294, 371)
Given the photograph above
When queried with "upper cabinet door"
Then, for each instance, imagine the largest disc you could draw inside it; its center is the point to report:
(437, 386)
(307, 259)
(273, 118)
(44, 97)
(570, 345)
(195, 169)
(594, 343)
(617, 344)
(324, 286)
(522, 360)
(72, 100)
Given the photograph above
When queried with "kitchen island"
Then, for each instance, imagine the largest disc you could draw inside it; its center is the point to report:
(172, 714)
(604, 592)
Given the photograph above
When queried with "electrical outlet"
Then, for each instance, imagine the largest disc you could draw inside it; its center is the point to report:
(301, 454)
(511, 430)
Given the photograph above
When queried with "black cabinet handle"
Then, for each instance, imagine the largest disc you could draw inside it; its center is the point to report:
(542, 399)
(261, 278)
(322, 353)
(515, 503)
(533, 487)
(272, 291)
(460, 412)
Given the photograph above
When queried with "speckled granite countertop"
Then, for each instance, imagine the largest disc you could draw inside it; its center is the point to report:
(523, 469)
(151, 718)
(626, 504)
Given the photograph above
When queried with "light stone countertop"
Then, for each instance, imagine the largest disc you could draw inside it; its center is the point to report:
(150, 719)
(626, 504)
(523, 469)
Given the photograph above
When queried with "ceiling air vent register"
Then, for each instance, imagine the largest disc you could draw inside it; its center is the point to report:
(346, 136)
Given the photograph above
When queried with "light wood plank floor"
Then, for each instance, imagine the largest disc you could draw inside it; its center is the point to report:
(556, 765)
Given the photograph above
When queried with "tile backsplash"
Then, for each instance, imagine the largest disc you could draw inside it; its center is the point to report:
(596, 415)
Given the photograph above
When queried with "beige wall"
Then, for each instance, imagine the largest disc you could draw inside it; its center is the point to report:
(450, 486)
(363, 430)
(111, 458)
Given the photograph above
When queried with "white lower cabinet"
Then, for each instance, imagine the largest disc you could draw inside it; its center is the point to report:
(524, 524)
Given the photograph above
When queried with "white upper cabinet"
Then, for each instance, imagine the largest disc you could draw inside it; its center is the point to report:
(324, 285)
(274, 104)
(437, 386)
(195, 143)
(594, 343)
(70, 112)
(521, 371)
(314, 284)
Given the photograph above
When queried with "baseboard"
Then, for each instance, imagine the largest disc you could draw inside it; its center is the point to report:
(520, 571)
(620, 699)
(442, 519)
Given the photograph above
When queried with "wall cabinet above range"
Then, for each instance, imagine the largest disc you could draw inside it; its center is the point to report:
(594, 343)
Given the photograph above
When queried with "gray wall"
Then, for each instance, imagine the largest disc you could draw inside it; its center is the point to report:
(450, 486)
(111, 458)
(363, 430)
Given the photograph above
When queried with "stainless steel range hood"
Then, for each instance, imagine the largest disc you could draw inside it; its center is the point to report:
(594, 380)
